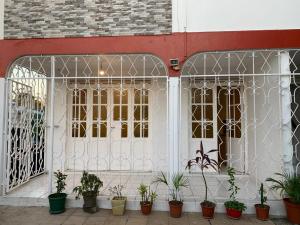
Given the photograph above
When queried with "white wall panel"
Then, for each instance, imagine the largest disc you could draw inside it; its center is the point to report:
(235, 15)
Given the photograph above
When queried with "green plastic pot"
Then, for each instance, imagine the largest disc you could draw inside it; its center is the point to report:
(57, 203)
(118, 206)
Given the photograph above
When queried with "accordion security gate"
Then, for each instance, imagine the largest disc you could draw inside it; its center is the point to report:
(110, 113)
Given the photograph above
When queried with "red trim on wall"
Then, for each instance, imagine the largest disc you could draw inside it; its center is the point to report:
(176, 45)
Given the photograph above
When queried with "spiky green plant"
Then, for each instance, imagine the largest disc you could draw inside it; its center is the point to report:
(289, 185)
(263, 198)
(146, 194)
(178, 181)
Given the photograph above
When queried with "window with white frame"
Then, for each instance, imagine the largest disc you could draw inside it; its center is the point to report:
(202, 112)
(141, 113)
(79, 113)
(99, 128)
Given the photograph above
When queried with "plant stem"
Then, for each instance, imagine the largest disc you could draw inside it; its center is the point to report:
(204, 183)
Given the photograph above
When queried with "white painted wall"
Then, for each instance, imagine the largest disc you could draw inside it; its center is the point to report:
(2, 104)
(1, 19)
(235, 15)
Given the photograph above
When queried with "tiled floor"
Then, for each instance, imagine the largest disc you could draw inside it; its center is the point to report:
(40, 215)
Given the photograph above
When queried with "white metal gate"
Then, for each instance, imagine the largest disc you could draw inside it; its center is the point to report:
(19, 146)
(69, 125)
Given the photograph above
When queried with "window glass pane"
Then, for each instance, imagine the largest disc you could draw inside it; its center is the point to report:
(103, 130)
(103, 112)
(137, 96)
(103, 97)
(137, 115)
(137, 130)
(83, 113)
(116, 97)
(82, 129)
(196, 95)
(95, 113)
(74, 130)
(75, 96)
(145, 113)
(208, 109)
(234, 96)
(125, 97)
(75, 112)
(145, 130)
(124, 112)
(83, 96)
(94, 130)
(145, 97)
(208, 95)
(95, 97)
(208, 131)
(124, 130)
(196, 112)
(196, 130)
(116, 113)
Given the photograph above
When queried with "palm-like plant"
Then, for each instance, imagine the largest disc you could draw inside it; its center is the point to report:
(289, 185)
(146, 194)
(203, 161)
(178, 181)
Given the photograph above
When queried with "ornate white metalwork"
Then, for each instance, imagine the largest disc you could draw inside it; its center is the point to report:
(106, 110)
(245, 104)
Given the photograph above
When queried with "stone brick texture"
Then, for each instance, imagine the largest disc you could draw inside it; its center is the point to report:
(86, 18)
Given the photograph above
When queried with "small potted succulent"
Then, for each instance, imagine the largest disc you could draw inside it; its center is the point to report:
(233, 207)
(289, 187)
(89, 189)
(262, 210)
(178, 181)
(203, 161)
(57, 201)
(118, 202)
(148, 198)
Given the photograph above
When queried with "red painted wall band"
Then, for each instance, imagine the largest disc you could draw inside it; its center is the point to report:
(176, 45)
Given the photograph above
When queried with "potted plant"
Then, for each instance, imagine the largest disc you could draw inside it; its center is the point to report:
(148, 198)
(262, 210)
(178, 181)
(57, 201)
(118, 202)
(203, 161)
(89, 189)
(233, 207)
(289, 187)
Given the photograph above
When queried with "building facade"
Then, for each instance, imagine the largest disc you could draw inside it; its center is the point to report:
(126, 89)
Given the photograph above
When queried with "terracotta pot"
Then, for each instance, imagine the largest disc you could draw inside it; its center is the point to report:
(233, 213)
(146, 207)
(292, 211)
(208, 210)
(262, 212)
(175, 208)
